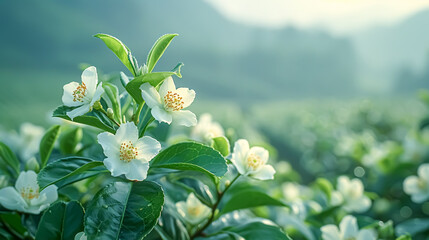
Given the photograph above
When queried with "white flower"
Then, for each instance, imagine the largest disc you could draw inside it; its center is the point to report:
(206, 129)
(252, 161)
(377, 153)
(26, 142)
(82, 96)
(418, 186)
(127, 153)
(193, 211)
(25, 197)
(349, 230)
(350, 193)
(167, 104)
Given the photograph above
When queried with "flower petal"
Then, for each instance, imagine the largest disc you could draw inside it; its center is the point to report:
(241, 148)
(51, 193)
(167, 85)
(26, 179)
(187, 95)
(411, 185)
(266, 172)
(116, 166)
(148, 147)
(423, 172)
(79, 111)
(109, 144)
(90, 79)
(127, 132)
(11, 199)
(330, 232)
(150, 95)
(261, 152)
(161, 115)
(137, 171)
(420, 197)
(192, 200)
(97, 95)
(185, 118)
(68, 95)
(349, 227)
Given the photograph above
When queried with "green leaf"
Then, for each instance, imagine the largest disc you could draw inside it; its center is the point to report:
(255, 230)
(325, 186)
(119, 49)
(68, 170)
(191, 156)
(222, 145)
(112, 93)
(13, 221)
(424, 123)
(248, 199)
(124, 210)
(412, 226)
(70, 139)
(62, 221)
(133, 87)
(158, 50)
(47, 144)
(9, 158)
(85, 119)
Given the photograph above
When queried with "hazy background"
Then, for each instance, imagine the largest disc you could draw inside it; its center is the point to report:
(237, 51)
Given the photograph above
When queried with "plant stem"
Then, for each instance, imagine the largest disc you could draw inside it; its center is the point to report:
(214, 208)
(105, 113)
(137, 113)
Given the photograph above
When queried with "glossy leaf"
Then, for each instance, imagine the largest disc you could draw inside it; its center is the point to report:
(47, 144)
(124, 210)
(222, 145)
(133, 87)
(191, 156)
(85, 119)
(62, 221)
(70, 139)
(158, 50)
(9, 158)
(413, 226)
(119, 49)
(325, 186)
(68, 170)
(112, 93)
(248, 199)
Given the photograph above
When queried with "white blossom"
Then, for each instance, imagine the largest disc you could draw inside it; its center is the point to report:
(167, 105)
(82, 96)
(26, 195)
(206, 129)
(193, 211)
(127, 153)
(348, 230)
(350, 194)
(252, 161)
(418, 186)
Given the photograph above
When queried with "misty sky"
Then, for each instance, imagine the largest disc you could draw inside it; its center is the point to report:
(337, 16)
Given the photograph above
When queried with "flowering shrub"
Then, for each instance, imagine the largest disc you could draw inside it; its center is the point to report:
(124, 178)
(131, 161)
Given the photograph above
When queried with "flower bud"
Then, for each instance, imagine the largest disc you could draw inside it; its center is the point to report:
(110, 113)
(227, 183)
(97, 105)
(32, 164)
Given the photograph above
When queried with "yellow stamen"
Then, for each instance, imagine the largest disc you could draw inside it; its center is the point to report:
(173, 101)
(79, 93)
(128, 152)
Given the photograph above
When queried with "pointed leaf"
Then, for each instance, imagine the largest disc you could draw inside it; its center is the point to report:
(9, 158)
(222, 145)
(158, 50)
(191, 156)
(124, 210)
(119, 49)
(62, 221)
(68, 170)
(85, 119)
(47, 144)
